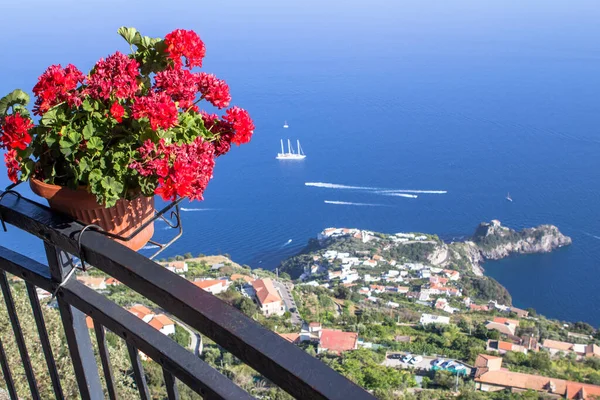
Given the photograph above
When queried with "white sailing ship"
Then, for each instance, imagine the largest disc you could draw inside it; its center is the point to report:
(285, 125)
(291, 154)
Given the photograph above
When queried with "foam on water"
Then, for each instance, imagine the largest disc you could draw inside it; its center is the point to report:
(407, 195)
(338, 186)
(371, 189)
(348, 203)
(196, 209)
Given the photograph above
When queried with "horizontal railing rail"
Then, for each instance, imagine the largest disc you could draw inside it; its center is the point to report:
(283, 363)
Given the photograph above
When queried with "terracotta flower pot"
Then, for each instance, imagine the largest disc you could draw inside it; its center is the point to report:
(122, 219)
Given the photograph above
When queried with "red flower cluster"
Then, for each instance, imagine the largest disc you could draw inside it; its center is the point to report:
(213, 89)
(178, 83)
(184, 170)
(221, 129)
(14, 132)
(117, 111)
(182, 43)
(56, 85)
(117, 75)
(12, 165)
(241, 123)
(158, 107)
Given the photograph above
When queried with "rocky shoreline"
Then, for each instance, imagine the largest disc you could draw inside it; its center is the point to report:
(492, 241)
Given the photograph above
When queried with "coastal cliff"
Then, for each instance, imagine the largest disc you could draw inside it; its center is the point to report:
(496, 241)
(492, 241)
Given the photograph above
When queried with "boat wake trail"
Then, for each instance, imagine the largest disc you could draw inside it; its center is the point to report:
(348, 203)
(375, 190)
(407, 195)
(414, 191)
(286, 243)
(589, 234)
(337, 186)
(196, 209)
(150, 246)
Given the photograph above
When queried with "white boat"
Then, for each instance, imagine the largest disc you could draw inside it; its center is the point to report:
(291, 155)
(508, 197)
(285, 125)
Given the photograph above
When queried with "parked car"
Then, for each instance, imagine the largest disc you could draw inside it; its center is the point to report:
(416, 359)
(407, 358)
(293, 309)
(438, 362)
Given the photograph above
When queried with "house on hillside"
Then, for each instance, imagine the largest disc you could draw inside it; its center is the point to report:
(505, 328)
(335, 341)
(502, 347)
(491, 377)
(93, 282)
(163, 324)
(214, 286)
(179, 267)
(267, 297)
(142, 312)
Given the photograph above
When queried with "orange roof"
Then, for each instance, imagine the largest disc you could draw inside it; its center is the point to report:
(558, 345)
(377, 287)
(112, 281)
(477, 307)
(208, 283)
(290, 337)
(89, 322)
(314, 324)
(377, 257)
(504, 345)
(338, 341)
(90, 280)
(164, 319)
(246, 278)
(502, 320)
(140, 311)
(265, 291)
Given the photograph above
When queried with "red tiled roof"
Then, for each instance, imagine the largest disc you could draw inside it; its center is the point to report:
(314, 324)
(504, 345)
(290, 337)
(208, 283)
(338, 341)
(164, 319)
(558, 345)
(502, 320)
(246, 278)
(140, 311)
(265, 291)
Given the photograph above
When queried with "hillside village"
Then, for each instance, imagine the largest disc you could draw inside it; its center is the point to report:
(409, 316)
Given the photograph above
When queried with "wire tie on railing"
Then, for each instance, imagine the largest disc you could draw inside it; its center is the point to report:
(80, 249)
(8, 190)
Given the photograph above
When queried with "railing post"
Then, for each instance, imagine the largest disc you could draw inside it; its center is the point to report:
(76, 331)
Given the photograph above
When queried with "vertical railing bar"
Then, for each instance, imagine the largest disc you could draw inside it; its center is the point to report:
(45, 342)
(104, 357)
(171, 384)
(76, 332)
(16, 326)
(7, 375)
(138, 372)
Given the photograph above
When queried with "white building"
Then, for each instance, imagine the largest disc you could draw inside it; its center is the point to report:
(179, 267)
(424, 274)
(370, 263)
(434, 319)
(214, 286)
(391, 304)
(352, 277)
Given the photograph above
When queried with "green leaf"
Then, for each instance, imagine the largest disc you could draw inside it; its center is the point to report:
(49, 117)
(84, 165)
(15, 97)
(88, 130)
(95, 143)
(110, 183)
(128, 34)
(87, 106)
(95, 176)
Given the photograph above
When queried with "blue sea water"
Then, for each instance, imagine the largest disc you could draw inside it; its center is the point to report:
(474, 98)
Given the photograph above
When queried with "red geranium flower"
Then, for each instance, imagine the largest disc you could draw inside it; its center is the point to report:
(241, 124)
(14, 133)
(158, 108)
(215, 90)
(182, 43)
(178, 83)
(12, 164)
(117, 111)
(56, 85)
(117, 75)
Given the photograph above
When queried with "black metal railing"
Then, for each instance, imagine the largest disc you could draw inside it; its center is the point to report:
(289, 367)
